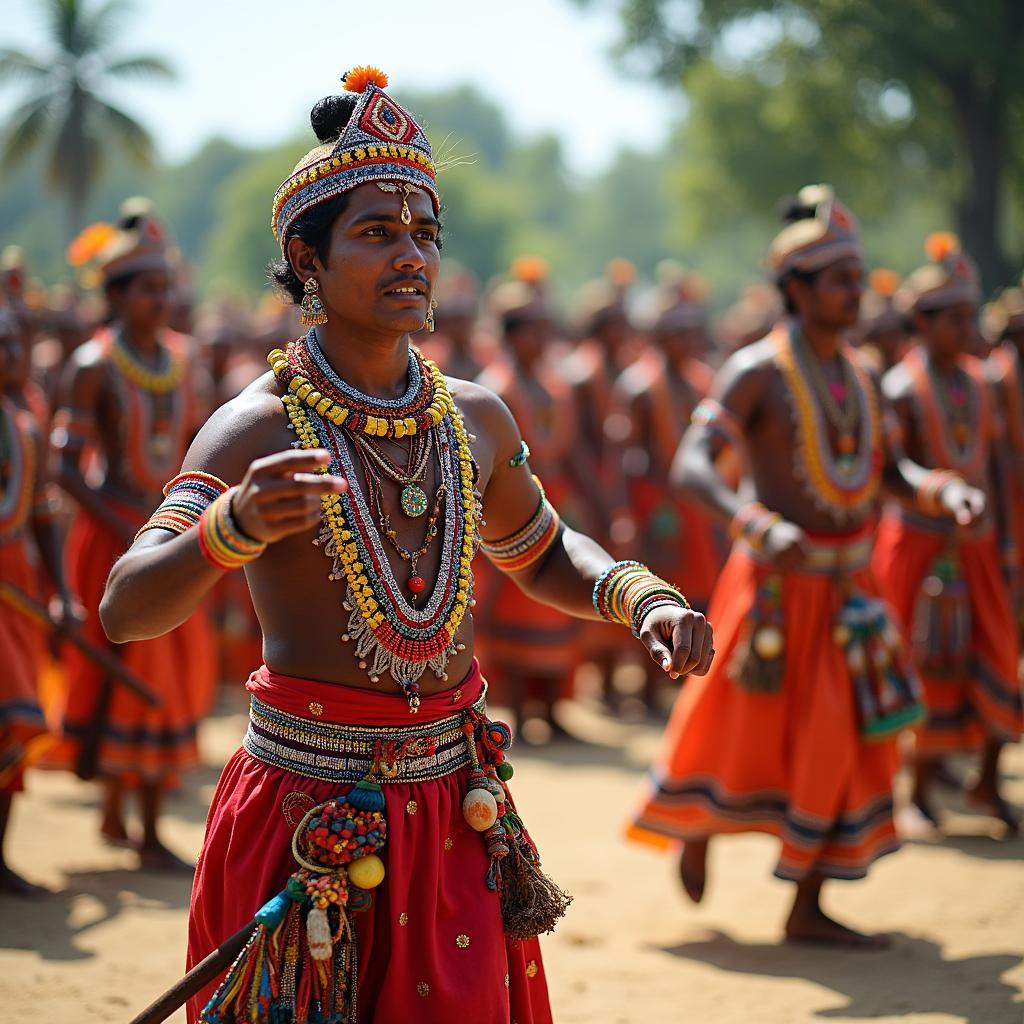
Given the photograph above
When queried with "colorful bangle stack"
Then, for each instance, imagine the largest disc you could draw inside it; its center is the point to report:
(527, 546)
(929, 492)
(752, 523)
(717, 418)
(221, 541)
(626, 592)
(186, 498)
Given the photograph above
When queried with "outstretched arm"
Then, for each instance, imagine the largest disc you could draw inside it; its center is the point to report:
(561, 567)
(161, 580)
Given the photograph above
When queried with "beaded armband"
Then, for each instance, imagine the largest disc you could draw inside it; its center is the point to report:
(221, 541)
(528, 545)
(520, 457)
(186, 498)
(752, 523)
(719, 420)
(70, 431)
(929, 492)
(626, 592)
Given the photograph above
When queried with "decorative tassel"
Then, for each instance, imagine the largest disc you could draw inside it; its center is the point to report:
(942, 626)
(758, 662)
(366, 795)
(531, 903)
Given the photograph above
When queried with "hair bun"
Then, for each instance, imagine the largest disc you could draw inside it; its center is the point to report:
(330, 115)
(790, 209)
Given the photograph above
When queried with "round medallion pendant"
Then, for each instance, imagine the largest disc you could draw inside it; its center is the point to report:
(414, 501)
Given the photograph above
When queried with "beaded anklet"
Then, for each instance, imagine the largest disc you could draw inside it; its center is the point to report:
(528, 545)
(186, 498)
(929, 492)
(221, 541)
(627, 591)
(752, 524)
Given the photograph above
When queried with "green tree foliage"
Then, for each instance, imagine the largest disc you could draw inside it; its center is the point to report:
(65, 113)
(924, 95)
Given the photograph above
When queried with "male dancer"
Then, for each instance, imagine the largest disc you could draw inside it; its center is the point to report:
(368, 722)
(946, 581)
(27, 537)
(791, 731)
(126, 415)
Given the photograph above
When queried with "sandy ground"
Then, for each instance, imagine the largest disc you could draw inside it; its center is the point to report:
(631, 950)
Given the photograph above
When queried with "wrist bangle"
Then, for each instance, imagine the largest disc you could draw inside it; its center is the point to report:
(221, 541)
(752, 524)
(627, 591)
(929, 491)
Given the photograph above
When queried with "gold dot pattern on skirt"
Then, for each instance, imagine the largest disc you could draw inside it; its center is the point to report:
(448, 844)
(462, 941)
(316, 708)
(423, 988)
(411, 807)
(456, 696)
(532, 969)
(506, 981)
(403, 918)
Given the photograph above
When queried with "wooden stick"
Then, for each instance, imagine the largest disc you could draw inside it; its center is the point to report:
(17, 599)
(198, 978)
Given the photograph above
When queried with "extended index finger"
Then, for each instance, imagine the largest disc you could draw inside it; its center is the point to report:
(296, 460)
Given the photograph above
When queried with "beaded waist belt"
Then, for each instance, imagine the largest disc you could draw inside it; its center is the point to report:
(346, 753)
(843, 554)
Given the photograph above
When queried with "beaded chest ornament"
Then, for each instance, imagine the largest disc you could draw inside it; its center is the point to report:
(389, 633)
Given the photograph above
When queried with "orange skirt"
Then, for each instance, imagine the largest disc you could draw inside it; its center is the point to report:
(985, 701)
(135, 742)
(22, 645)
(790, 763)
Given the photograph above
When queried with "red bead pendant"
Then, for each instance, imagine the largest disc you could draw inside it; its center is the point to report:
(417, 584)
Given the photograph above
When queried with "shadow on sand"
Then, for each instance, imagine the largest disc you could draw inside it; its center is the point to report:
(924, 981)
(54, 925)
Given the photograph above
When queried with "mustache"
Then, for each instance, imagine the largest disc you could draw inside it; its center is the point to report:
(407, 279)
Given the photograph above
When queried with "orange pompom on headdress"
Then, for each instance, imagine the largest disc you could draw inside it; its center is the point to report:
(89, 243)
(940, 245)
(884, 282)
(359, 78)
(531, 269)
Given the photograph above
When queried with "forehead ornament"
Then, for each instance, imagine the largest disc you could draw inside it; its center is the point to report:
(406, 191)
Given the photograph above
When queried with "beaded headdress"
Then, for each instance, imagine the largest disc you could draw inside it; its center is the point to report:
(947, 279)
(118, 251)
(815, 242)
(381, 142)
(878, 310)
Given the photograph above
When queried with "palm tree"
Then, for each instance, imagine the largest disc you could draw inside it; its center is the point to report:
(65, 113)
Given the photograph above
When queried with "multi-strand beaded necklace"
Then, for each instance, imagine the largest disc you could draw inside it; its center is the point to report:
(955, 416)
(389, 633)
(157, 404)
(845, 484)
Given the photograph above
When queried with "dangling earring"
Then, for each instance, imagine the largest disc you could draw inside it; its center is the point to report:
(313, 313)
(429, 322)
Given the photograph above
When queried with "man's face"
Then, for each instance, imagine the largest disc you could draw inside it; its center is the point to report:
(832, 299)
(950, 331)
(378, 273)
(143, 304)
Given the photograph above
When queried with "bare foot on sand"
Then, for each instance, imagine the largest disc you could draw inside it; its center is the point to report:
(12, 884)
(813, 925)
(985, 795)
(923, 803)
(693, 868)
(114, 833)
(154, 856)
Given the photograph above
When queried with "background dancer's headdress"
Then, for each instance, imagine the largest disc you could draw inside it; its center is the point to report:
(380, 142)
(138, 242)
(947, 279)
(820, 231)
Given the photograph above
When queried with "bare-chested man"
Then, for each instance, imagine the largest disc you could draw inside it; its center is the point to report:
(791, 732)
(125, 416)
(368, 719)
(946, 581)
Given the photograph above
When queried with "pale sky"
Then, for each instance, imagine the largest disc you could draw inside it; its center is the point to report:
(251, 69)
